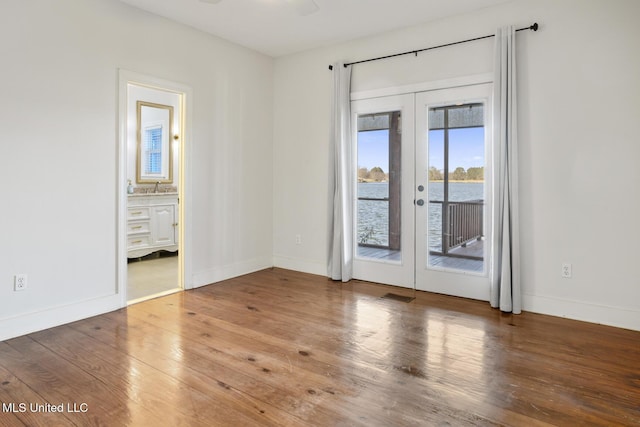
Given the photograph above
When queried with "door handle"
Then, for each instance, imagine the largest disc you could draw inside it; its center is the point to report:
(420, 202)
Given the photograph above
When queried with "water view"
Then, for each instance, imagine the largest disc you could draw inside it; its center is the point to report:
(373, 215)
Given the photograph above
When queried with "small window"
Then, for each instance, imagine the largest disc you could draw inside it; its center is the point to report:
(153, 150)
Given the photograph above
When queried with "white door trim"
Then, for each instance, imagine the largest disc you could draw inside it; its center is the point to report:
(185, 182)
(474, 79)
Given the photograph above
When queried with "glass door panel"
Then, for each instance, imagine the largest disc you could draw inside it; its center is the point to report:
(456, 144)
(379, 180)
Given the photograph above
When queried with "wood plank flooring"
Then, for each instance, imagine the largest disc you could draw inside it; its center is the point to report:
(281, 348)
(379, 253)
(475, 249)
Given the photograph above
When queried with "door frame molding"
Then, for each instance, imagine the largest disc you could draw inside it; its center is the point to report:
(126, 77)
(471, 80)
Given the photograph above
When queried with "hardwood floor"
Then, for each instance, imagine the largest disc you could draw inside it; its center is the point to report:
(284, 348)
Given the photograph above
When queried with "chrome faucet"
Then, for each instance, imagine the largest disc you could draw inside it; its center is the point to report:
(155, 190)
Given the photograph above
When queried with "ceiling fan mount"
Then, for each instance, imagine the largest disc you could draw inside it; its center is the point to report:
(302, 7)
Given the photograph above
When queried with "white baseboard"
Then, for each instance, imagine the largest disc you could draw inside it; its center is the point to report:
(224, 272)
(27, 323)
(36, 321)
(301, 265)
(31, 322)
(594, 313)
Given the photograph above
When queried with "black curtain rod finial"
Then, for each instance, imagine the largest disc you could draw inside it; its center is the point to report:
(330, 67)
(532, 27)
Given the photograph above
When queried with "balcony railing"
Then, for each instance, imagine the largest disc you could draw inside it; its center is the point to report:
(461, 223)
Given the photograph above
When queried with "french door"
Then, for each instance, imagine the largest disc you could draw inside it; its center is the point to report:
(383, 204)
(422, 206)
(453, 191)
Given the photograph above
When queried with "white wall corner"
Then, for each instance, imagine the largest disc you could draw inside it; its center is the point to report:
(218, 274)
(302, 265)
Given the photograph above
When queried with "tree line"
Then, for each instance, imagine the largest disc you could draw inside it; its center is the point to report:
(376, 174)
(458, 174)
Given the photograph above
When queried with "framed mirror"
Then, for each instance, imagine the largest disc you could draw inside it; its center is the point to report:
(154, 130)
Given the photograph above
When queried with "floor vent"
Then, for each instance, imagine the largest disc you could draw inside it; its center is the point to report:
(397, 297)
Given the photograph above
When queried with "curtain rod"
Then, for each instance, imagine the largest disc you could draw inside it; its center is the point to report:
(533, 27)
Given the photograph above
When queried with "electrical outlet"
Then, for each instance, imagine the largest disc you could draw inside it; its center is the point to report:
(298, 239)
(566, 270)
(20, 282)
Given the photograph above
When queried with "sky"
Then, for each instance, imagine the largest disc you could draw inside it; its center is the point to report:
(466, 148)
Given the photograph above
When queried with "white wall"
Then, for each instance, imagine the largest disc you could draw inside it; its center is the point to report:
(579, 90)
(59, 85)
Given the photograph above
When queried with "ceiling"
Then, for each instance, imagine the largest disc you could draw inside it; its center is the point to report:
(275, 28)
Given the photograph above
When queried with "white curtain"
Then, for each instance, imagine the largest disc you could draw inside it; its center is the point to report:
(340, 180)
(505, 280)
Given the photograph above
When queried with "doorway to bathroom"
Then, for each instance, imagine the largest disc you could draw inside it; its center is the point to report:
(151, 237)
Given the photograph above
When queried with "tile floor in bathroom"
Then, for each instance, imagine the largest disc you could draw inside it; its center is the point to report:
(152, 276)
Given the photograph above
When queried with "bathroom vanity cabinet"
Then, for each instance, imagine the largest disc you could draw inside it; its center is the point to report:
(152, 223)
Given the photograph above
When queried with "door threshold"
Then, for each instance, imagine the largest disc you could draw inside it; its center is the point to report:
(152, 296)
